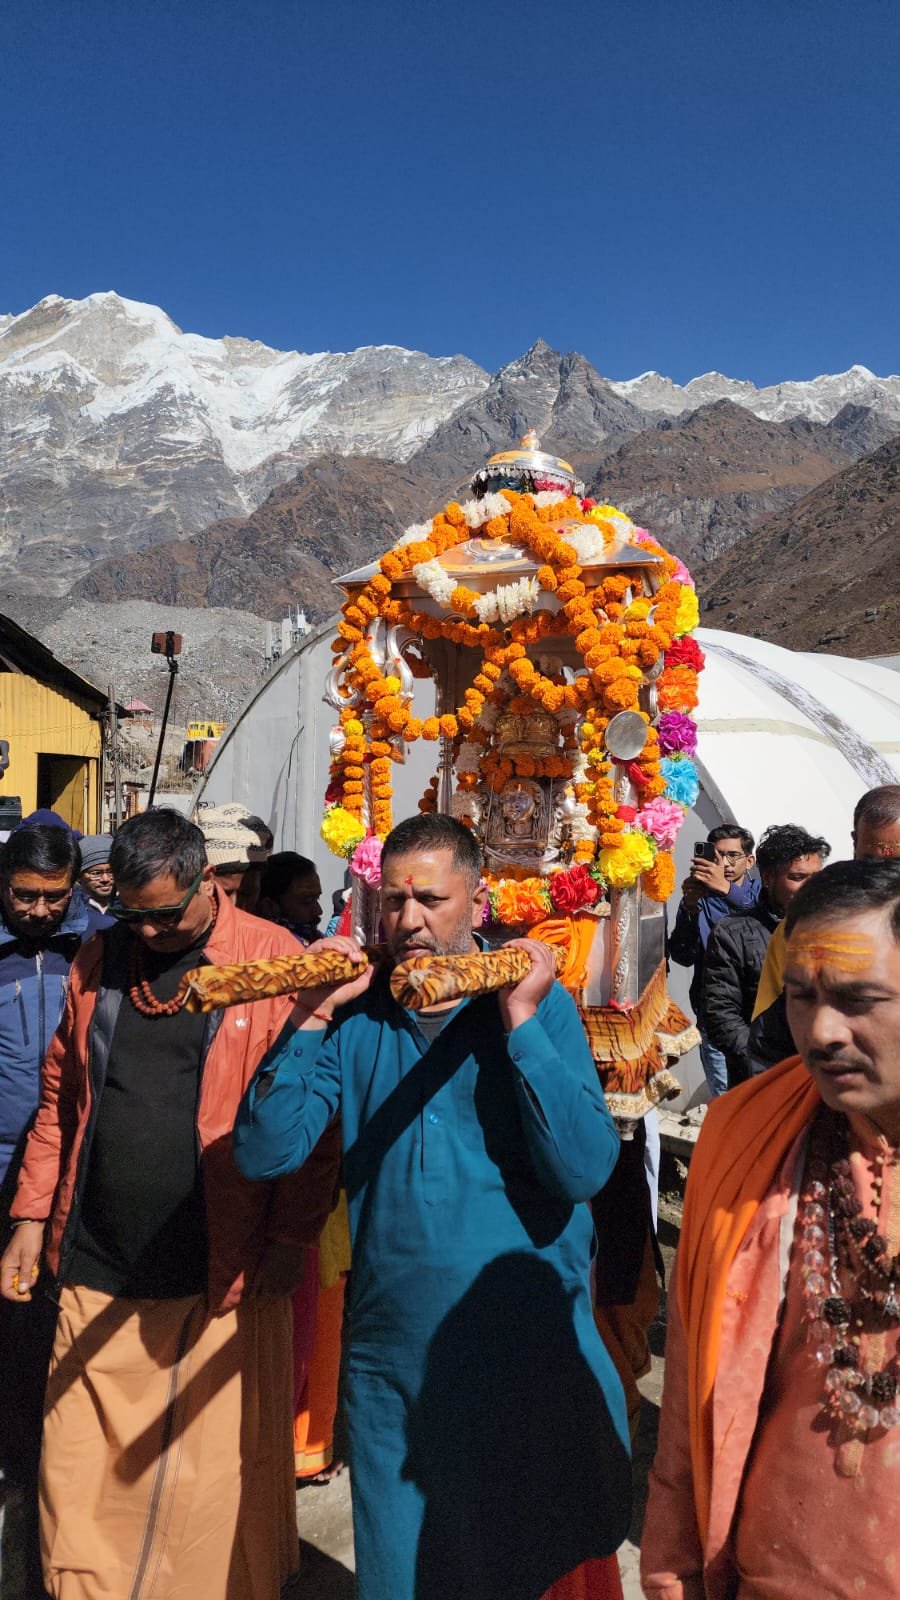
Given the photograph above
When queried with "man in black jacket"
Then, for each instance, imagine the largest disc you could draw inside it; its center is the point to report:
(786, 857)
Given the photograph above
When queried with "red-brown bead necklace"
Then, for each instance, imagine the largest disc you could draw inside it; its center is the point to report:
(139, 991)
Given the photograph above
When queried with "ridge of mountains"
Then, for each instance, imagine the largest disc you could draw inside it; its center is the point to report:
(139, 463)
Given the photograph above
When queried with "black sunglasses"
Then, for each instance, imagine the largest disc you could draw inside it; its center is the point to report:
(164, 916)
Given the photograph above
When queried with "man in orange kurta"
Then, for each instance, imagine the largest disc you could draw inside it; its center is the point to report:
(166, 1468)
(777, 1469)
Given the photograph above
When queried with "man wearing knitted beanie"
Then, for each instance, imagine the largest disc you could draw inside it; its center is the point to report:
(96, 880)
(235, 851)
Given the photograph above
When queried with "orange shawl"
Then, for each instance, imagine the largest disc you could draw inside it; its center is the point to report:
(745, 1141)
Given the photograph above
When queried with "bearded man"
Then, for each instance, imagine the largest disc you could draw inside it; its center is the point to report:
(167, 1465)
(776, 1472)
(488, 1436)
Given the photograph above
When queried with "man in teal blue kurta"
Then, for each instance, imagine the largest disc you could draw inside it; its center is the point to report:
(488, 1435)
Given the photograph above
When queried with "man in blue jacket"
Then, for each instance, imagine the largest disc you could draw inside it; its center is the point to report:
(715, 889)
(488, 1436)
(42, 927)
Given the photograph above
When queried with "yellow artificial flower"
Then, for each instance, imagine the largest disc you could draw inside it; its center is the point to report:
(688, 613)
(341, 831)
(623, 864)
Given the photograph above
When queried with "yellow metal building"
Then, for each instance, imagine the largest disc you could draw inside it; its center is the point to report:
(51, 725)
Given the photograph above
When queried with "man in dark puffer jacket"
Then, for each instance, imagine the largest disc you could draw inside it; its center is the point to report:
(43, 921)
(786, 857)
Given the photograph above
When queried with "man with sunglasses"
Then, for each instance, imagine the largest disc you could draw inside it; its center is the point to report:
(171, 1371)
(41, 930)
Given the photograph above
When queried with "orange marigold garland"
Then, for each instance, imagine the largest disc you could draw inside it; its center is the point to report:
(620, 637)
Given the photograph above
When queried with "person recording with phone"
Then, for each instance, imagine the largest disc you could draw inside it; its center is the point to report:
(719, 884)
(787, 856)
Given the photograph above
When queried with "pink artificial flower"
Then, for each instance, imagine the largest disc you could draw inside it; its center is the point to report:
(681, 574)
(365, 862)
(661, 819)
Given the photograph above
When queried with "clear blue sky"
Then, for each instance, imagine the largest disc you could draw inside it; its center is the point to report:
(683, 186)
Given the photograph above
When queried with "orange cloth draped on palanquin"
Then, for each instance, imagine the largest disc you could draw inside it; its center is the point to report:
(574, 935)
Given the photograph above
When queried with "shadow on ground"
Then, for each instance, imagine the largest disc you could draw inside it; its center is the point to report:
(322, 1577)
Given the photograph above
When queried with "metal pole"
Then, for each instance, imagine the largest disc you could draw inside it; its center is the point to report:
(173, 668)
(113, 752)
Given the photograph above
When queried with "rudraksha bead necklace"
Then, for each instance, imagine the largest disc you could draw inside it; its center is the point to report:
(139, 991)
(846, 1271)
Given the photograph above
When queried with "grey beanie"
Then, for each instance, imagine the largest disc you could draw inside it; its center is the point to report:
(95, 848)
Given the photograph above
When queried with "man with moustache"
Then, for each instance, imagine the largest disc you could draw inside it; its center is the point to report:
(776, 1472)
(167, 1462)
(488, 1436)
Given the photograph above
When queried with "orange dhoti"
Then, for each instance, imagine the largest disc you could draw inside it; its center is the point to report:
(166, 1466)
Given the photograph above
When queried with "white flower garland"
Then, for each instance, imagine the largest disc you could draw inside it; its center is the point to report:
(478, 512)
(509, 600)
(437, 583)
(587, 542)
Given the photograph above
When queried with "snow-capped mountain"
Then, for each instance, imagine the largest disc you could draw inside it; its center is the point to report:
(120, 357)
(818, 399)
(117, 429)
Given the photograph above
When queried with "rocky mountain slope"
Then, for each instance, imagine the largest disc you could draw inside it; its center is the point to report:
(822, 575)
(334, 515)
(222, 659)
(574, 411)
(700, 482)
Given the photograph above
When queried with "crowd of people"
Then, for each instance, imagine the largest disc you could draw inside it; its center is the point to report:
(186, 1198)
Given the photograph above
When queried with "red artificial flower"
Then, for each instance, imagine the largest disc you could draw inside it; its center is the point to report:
(571, 890)
(626, 813)
(588, 504)
(333, 792)
(685, 653)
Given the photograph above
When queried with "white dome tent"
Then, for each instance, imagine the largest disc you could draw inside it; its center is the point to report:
(782, 737)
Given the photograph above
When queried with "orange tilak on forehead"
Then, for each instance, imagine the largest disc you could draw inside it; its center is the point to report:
(847, 953)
